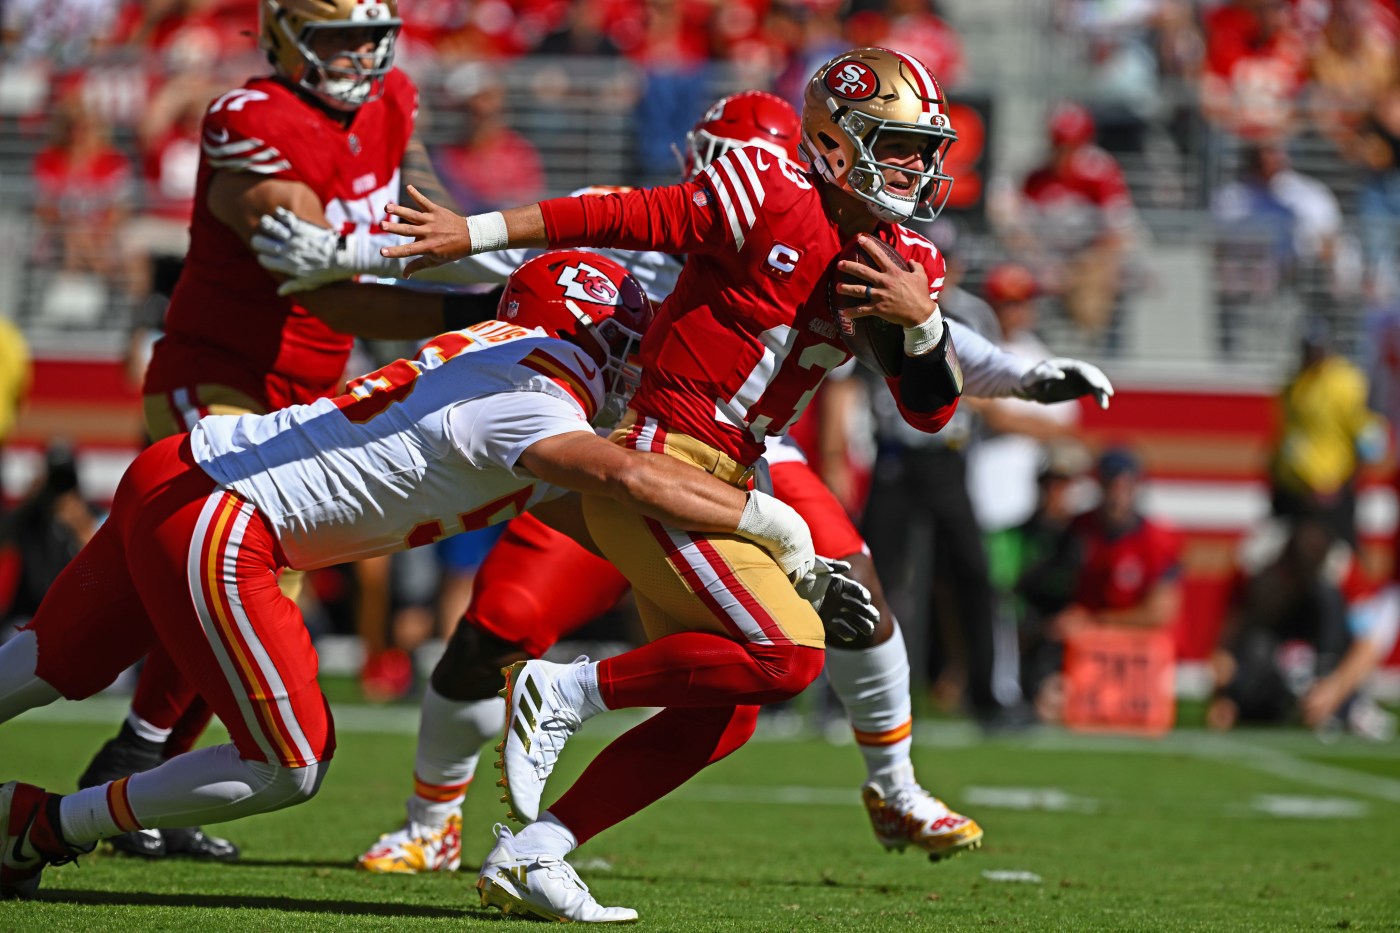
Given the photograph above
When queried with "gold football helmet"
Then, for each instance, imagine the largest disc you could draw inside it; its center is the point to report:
(286, 29)
(855, 98)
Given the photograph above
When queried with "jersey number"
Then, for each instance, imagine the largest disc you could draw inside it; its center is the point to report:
(236, 100)
(511, 504)
(754, 407)
(370, 395)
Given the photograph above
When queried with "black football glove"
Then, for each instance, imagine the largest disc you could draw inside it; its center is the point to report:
(842, 603)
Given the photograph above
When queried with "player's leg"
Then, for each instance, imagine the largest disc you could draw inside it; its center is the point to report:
(741, 636)
(727, 630)
(535, 586)
(206, 565)
(639, 768)
(871, 678)
(163, 702)
(92, 625)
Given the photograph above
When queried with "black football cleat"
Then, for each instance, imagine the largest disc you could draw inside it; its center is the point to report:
(142, 843)
(193, 842)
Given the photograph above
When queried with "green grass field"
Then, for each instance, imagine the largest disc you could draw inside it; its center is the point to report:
(1266, 831)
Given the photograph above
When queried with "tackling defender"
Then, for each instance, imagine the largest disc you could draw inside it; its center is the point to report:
(486, 423)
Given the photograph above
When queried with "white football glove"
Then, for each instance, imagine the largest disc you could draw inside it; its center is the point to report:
(312, 256)
(843, 604)
(1061, 379)
(776, 527)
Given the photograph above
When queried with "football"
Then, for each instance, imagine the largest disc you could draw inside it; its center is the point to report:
(874, 341)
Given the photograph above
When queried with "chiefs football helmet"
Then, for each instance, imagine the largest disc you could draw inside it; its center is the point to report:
(285, 32)
(854, 99)
(593, 303)
(749, 118)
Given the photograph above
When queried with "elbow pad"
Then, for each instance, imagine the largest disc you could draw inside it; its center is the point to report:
(932, 380)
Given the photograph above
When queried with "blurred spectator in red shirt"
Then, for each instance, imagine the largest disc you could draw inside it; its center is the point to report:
(189, 33)
(83, 189)
(916, 29)
(1255, 68)
(1129, 565)
(1073, 223)
(492, 166)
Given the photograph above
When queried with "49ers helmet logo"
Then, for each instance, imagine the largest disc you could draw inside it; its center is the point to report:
(585, 283)
(852, 80)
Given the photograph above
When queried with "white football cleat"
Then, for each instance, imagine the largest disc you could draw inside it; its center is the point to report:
(416, 848)
(538, 723)
(543, 886)
(911, 816)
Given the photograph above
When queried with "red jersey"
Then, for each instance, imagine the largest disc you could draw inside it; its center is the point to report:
(738, 349)
(1120, 571)
(226, 322)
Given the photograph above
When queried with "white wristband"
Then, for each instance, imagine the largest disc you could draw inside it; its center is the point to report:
(922, 338)
(488, 232)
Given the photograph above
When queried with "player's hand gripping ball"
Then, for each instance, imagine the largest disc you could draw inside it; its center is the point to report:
(873, 340)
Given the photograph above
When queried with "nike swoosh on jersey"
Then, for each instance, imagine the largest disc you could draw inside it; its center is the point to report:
(220, 136)
(587, 373)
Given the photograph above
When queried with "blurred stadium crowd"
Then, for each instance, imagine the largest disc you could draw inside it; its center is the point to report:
(1182, 190)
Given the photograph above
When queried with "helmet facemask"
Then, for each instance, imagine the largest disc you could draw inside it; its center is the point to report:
(622, 369)
(344, 86)
(865, 177)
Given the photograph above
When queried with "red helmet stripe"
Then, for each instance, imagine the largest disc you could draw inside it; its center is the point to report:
(928, 87)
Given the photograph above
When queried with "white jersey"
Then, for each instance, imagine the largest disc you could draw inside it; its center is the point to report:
(415, 451)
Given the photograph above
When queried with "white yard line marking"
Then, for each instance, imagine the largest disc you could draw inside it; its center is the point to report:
(1309, 808)
(1049, 799)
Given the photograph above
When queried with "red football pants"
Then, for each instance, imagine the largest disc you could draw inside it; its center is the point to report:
(186, 566)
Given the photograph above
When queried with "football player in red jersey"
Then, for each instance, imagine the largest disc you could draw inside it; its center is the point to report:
(330, 136)
(737, 351)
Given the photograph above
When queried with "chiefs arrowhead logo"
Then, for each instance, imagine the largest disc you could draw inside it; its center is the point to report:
(585, 283)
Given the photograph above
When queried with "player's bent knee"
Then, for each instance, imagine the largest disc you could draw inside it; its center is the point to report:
(789, 669)
(287, 787)
(470, 668)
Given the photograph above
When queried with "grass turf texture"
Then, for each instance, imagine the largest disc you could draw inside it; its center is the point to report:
(1122, 835)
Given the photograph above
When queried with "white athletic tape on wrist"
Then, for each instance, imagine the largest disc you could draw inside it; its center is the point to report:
(488, 232)
(924, 337)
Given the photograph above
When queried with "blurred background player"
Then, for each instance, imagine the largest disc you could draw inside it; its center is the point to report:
(329, 136)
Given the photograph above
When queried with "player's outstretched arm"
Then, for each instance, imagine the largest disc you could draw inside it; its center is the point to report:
(442, 236)
(240, 200)
(673, 493)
